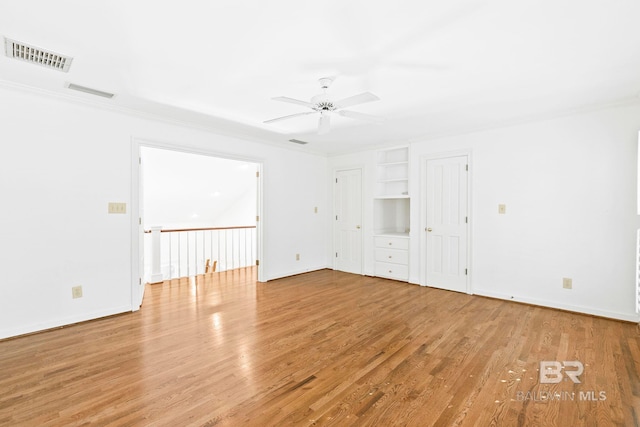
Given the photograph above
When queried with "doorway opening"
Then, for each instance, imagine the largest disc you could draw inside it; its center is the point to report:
(198, 214)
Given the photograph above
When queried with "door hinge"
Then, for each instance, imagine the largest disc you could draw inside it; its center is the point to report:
(257, 174)
(139, 221)
(139, 160)
(140, 280)
(466, 272)
(336, 180)
(336, 254)
(336, 217)
(257, 218)
(257, 262)
(466, 220)
(466, 168)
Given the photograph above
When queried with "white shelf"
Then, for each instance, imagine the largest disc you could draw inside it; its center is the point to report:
(393, 155)
(391, 234)
(392, 172)
(393, 180)
(393, 196)
(391, 205)
(393, 163)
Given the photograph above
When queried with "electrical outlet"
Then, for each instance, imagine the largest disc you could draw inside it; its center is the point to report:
(76, 292)
(502, 209)
(567, 283)
(297, 257)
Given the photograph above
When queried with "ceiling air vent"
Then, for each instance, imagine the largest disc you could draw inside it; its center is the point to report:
(297, 141)
(35, 55)
(89, 90)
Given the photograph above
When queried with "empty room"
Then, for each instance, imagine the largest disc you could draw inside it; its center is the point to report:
(369, 213)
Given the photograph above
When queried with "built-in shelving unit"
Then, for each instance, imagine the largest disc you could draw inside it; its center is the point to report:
(391, 213)
(392, 173)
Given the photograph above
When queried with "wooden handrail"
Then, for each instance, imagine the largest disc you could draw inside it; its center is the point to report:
(202, 229)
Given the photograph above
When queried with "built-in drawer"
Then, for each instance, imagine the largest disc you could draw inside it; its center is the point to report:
(391, 242)
(396, 256)
(392, 271)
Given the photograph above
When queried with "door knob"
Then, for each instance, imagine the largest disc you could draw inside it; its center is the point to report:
(429, 229)
(358, 227)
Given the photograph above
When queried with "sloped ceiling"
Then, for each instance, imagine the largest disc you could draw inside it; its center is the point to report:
(438, 67)
(184, 190)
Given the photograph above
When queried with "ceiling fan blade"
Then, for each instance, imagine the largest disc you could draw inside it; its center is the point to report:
(324, 124)
(290, 116)
(293, 101)
(360, 116)
(357, 99)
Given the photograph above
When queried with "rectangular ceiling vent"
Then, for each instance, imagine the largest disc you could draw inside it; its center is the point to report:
(35, 55)
(90, 90)
(297, 141)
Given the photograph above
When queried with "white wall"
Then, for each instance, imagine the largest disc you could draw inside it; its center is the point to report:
(294, 227)
(60, 165)
(570, 187)
(184, 190)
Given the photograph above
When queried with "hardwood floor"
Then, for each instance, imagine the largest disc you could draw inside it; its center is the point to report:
(323, 348)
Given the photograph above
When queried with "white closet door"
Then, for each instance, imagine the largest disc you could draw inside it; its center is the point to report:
(446, 231)
(348, 221)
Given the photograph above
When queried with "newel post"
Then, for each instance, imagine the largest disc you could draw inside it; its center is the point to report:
(156, 271)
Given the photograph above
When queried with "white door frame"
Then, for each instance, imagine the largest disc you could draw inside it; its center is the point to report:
(333, 213)
(137, 269)
(423, 214)
(137, 243)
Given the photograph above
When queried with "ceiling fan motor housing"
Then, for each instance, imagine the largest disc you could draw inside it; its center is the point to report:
(323, 103)
(325, 106)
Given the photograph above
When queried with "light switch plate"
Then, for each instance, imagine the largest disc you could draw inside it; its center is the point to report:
(117, 208)
(76, 292)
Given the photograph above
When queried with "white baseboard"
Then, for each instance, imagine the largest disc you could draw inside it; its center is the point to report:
(629, 317)
(296, 272)
(58, 323)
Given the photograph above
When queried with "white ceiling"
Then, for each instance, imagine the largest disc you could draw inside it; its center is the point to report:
(439, 67)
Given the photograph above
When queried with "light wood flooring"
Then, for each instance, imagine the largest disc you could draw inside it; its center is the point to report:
(319, 349)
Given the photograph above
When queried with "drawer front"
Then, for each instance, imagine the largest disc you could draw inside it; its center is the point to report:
(392, 271)
(394, 256)
(392, 242)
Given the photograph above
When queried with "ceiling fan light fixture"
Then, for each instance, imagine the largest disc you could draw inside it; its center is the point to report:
(324, 124)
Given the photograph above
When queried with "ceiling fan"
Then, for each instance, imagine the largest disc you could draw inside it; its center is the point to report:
(324, 105)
